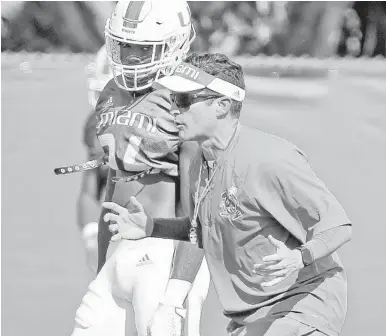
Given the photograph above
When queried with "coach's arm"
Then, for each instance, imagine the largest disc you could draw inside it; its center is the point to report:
(136, 224)
(295, 196)
(187, 258)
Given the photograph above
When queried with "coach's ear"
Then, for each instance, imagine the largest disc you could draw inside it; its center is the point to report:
(223, 107)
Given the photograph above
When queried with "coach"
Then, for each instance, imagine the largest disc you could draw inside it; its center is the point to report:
(268, 225)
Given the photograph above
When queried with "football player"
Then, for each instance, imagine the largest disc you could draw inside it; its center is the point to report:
(135, 128)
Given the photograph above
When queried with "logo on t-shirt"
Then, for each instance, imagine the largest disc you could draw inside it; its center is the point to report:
(230, 205)
(107, 104)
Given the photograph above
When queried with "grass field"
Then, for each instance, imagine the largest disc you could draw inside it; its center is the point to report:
(43, 266)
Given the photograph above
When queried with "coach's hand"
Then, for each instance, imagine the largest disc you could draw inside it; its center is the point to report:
(279, 265)
(167, 321)
(128, 224)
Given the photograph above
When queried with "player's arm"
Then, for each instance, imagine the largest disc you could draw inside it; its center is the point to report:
(104, 235)
(88, 206)
(187, 257)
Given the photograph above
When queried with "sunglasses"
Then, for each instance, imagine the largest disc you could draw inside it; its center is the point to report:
(185, 100)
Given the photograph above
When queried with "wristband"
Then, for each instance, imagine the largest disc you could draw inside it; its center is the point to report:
(307, 256)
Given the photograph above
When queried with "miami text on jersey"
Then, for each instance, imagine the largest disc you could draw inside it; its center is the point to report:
(128, 118)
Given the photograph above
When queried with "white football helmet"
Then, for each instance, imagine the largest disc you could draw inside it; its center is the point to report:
(145, 39)
(100, 75)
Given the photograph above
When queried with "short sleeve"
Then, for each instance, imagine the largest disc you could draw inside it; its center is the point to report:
(294, 195)
(90, 138)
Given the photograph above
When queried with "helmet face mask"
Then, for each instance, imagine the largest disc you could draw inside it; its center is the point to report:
(135, 65)
(150, 45)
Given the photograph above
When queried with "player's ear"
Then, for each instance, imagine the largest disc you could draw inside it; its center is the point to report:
(223, 107)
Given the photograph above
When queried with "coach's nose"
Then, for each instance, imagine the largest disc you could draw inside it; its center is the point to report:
(175, 112)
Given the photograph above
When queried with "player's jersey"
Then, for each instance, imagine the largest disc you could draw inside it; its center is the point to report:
(137, 133)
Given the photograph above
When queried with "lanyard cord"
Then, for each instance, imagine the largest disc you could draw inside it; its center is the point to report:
(199, 198)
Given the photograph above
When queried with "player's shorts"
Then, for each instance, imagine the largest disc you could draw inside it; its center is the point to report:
(135, 274)
(283, 326)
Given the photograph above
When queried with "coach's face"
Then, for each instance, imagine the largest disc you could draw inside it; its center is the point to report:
(197, 118)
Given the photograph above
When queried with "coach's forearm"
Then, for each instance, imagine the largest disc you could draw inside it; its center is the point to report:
(171, 228)
(187, 262)
(327, 242)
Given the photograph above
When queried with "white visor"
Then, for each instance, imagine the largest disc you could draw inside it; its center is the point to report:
(188, 78)
(179, 84)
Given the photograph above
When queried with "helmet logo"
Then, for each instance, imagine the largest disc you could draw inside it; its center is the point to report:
(136, 12)
(182, 19)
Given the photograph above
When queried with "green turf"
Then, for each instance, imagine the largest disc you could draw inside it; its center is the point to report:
(43, 266)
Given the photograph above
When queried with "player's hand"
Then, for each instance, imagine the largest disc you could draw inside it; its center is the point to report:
(279, 265)
(167, 321)
(130, 224)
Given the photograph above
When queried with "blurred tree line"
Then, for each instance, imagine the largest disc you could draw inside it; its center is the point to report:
(319, 29)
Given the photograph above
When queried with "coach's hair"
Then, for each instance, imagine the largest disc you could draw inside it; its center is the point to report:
(221, 67)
